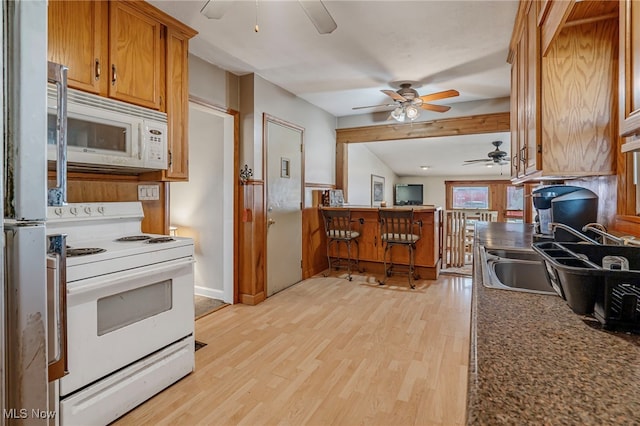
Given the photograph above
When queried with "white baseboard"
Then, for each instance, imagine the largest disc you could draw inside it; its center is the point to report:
(209, 292)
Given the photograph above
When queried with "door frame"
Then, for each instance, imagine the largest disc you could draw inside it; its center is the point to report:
(268, 118)
(236, 184)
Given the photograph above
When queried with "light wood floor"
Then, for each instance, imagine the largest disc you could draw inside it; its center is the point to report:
(328, 352)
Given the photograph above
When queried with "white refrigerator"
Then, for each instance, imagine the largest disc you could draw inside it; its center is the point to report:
(31, 318)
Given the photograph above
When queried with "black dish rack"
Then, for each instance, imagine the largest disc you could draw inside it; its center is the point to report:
(611, 294)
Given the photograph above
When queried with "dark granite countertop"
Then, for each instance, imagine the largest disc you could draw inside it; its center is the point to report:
(533, 361)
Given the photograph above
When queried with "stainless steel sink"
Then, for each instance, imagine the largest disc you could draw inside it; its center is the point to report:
(514, 269)
(514, 254)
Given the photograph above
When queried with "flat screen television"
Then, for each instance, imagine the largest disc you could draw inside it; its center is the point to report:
(407, 194)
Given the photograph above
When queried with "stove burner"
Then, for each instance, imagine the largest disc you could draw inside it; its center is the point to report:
(71, 252)
(135, 238)
(159, 240)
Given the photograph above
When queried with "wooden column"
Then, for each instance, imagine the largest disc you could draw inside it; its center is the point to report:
(252, 244)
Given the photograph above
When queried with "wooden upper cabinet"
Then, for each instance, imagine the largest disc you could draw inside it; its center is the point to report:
(564, 58)
(525, 75)
(630, 68)
(78, 39)
(177, 95)
(531, 161)
(135, 56)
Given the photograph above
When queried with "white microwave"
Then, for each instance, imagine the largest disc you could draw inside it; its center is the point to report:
(108, 135)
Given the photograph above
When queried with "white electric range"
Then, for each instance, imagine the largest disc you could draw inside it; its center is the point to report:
(129, 313)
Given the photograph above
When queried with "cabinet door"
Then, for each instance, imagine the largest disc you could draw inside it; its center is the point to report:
(135, 55)
(630, 67)
(177, 105)
(370, 244)
(515, 163)
(522, 107)
(532, 65)
(78, 34)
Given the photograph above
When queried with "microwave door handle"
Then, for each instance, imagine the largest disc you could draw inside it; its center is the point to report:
(58, 367)
(140, 139)
(57, 74)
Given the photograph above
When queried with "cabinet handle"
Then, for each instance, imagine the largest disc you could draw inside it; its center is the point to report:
(114, 76)
(523, 155)
(170, 159)
(98, 71)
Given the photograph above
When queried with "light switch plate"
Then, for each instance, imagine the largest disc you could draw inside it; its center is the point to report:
(148, 192)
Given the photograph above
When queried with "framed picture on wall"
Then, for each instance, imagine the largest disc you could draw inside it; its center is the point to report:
(377, 190)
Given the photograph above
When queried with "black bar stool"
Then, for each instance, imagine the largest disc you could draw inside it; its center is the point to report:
(398, 228)
(338, 227)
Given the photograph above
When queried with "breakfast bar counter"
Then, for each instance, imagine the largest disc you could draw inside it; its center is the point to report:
(428, 248)
(534, 361)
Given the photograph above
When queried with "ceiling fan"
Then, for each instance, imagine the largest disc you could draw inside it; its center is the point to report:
(407, 102)
(315, 10)
(496, 156)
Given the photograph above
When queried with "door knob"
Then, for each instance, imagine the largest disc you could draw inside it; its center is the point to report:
(270, 222)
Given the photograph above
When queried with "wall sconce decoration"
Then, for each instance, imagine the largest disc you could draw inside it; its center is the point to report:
(245, 174)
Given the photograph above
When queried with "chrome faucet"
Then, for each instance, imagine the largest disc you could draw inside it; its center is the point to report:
(572, 231)
(601, 230)
(597, 228)
(630, 240)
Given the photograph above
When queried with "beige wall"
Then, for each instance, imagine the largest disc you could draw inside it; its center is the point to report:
(213, 84)
(258, 96)
(362, 164)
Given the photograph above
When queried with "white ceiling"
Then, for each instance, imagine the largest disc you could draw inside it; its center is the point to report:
(438, 45)
(443, 155)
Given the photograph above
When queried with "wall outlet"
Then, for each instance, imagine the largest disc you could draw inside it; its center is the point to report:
(148, 192)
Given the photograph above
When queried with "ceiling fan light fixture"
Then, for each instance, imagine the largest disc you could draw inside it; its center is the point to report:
(215, 9)
(398, 114)
(412, 112)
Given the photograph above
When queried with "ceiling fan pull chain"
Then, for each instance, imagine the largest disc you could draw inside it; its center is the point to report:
(257, 28)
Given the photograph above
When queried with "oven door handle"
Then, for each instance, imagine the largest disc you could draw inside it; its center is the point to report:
(121, 281)
(58, 367)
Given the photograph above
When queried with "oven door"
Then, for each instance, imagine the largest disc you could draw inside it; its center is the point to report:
(116, 319)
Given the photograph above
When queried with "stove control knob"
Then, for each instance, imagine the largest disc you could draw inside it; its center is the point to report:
(58, 211)
(73, 211)
(87, 210)
(101, 209)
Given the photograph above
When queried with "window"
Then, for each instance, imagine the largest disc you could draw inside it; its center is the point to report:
(470, 197)
(515, 204)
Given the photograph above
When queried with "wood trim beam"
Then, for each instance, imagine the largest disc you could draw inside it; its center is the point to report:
(473, 124)
(342, 167)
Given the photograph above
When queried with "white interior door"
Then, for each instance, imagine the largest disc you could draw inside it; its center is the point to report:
(284, 144)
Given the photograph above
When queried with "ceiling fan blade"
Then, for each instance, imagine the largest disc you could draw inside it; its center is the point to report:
(467, 162)
(215, 9)
(440, 95)
(436, 108)
(394, 95)
(319, 15)
(374, 106)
